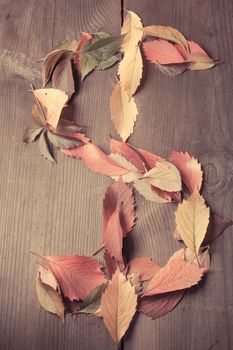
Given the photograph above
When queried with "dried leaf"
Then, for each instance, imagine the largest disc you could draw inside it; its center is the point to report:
(164, 176)
(119, 195)
(123, 111)
(118, 305)
(113, 236)
(47, 277)
(159, 305)
(91, 303)
(85, 38)
(131, 28)
(45, 149)
(130, 70)
(145, 189)
(49, 298)
(167, 33)
(162, 52)
(132, 175)
(216, 227)
(107, 63)
(76, 275)
(172, 70)
(177, 274)
(144, 267)
(31, 134)
(192, 218)
(203, 257)
(52, 101)
(189, 169)
(62, 77)
(70, 45)
(111, 264)
(64, 142)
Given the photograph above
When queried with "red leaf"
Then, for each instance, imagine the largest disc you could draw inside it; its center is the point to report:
(110, 263)
(113, 236)
(162, 52)
(76, 275)
(159, 305)
(85, 38)
(97, 161)
(149, 158)
(189, 168)
(217, 226)
(119, 195)
(145, 267)
(177, 274)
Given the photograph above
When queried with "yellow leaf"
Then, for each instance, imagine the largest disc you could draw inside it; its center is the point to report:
(131, 27)
(192, 218)
(165, 176)
(52, 101)
(200, 62)
(49, 298)
(123, 111)
(118, 305)
(167, 33)
(143, 186)
(130, 70)
(123, 162)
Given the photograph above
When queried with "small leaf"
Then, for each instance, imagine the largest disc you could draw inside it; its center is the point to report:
(91, 303)
(164, 176)
(49, 298)
(44, 147)
(167, 33)
(107, 63)
(62, 78)
(118, 306)
(123, 111)
(31, 134)
(192, 218)
(64, 142)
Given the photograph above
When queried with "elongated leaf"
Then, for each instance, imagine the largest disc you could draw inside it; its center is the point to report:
(192, 218)
(113, 236)
(118, 306)
(130, 70)
(31, 134)
(177, 274)
(131, 28)
(47, 277)
(216, 227)
(189, 169)
(45, 149)
(162, 52)
(164, 176)
(172, 70)
(76, 275)
(70, 45)
(123, 111)
(167, 33)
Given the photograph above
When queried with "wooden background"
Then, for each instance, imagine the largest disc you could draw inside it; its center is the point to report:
(56, 209)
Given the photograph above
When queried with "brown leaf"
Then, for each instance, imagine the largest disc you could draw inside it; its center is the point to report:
(216, 227)
(111, 264)
(130, 70)
(177, 274)
(62, 77)
(189, 169)
(131, 27)
(159, 305)
(76, 275)
(145, 267)
(123, 111)
(118, 305)
(119, 196)
(167, 33)
(113, 236)
(192, 218)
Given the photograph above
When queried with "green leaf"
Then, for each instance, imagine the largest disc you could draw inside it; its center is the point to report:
(87, 64)
(100, 35)
(45, 148)
(64, 142)
(108, 63)
(66, 45)
(31, 134)
(92, 302)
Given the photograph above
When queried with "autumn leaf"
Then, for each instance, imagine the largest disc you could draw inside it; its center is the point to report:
(131, 28)
(177, 274)
(132, 174)
(91, 304)
(110, 263)
(123, 111)
(145, 267)
(32, 133)
(203, 259)
(164, 176)
(217, 226)
(49, 298)
(159, 305)
(119, 196)
(84, 39)
(130, 70)
(167, 33)
(45, 148)
(76, 275)
(145, 189)
(192, 218)
(47, 277)
(162, 52)
(62, 77)
(118, 306)
(69, 45)
(189, 169)
(173, 69)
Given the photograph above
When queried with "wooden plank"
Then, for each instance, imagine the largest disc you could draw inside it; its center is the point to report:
(191, 112)
(50, 209)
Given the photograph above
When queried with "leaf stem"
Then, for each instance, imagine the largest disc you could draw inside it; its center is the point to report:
(98, 249)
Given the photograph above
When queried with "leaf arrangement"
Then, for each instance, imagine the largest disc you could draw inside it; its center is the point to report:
(117, 288)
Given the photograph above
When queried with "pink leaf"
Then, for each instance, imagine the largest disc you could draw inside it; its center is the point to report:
(162, 52)
(145, 267)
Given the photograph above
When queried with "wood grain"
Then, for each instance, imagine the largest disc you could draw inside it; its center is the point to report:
(50, 209)
(191, 112)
